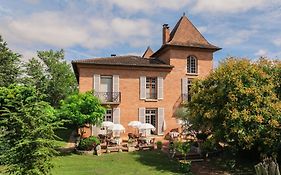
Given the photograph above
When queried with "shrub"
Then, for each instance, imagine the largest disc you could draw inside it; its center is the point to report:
(159, 145)
(89, 143)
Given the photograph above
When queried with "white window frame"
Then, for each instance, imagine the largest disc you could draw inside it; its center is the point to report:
(192, 65)
(151, 84)
(108, 115)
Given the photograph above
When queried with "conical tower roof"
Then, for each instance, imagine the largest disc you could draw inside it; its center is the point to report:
(186, 34)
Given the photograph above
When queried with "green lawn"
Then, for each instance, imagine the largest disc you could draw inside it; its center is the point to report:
(138, 163)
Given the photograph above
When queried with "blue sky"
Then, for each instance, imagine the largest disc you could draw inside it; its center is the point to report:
(98, 28)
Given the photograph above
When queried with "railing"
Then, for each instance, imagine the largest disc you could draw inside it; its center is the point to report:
(109, 97)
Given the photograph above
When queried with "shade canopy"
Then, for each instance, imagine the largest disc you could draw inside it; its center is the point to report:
(107, 124)
(135, 124)
(116, 127)
(146, 126)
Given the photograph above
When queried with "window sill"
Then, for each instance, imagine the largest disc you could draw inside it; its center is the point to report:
(151, 100)
(192, 74)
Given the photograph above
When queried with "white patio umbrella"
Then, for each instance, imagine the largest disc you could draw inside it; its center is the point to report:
(134, 124)
(107, 124)
(116, 127)
(146, 126)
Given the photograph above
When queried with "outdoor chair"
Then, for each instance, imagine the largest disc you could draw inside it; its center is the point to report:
(102, 138)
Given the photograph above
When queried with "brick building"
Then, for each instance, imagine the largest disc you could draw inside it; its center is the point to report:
(148, 88)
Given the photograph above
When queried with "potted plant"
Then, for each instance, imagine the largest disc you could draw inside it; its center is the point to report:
(184, 148)
(88, 145)
(131, 146)
(159, 145)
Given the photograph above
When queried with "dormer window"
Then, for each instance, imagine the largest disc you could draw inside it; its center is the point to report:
(192, 66)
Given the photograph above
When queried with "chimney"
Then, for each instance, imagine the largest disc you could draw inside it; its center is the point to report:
(166, 33)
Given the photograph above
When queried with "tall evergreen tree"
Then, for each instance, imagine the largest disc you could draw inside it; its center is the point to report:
(9, 65)
(27, 131)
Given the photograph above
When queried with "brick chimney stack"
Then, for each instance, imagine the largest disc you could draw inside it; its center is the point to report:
(166, 33)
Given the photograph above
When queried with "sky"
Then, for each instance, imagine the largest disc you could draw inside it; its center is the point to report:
(99, 28)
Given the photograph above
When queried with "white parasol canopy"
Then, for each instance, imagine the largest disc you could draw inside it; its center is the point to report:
(107, 124)
(116, 127)
(135, 124)
(146, 126)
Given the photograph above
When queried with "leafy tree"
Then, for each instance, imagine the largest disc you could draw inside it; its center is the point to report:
(36, 75)
(27, 131)
(51, 75)
(238, 101)
(81, 109)
(9, 67)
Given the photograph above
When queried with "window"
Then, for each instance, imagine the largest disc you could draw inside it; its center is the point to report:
(105, 93)
(192, 64)
(150, 117)
(151, 84)
(189, 83)
(106, 84)
(108, 115)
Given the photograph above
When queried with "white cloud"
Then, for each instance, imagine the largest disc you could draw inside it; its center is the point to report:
(231, 6)
(55, 29)
(33, 1)
(144, 6)
(48, 28)
(261, 53)
(202, 29)
(237, 37)
(277, 41)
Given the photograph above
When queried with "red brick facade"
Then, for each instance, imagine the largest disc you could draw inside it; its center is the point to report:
(171, 80)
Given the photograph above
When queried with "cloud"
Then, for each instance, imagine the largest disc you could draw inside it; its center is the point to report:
(261, 53)
(48, 28)
(237, 37)
(55, 29)
(144, 6)
(231, 6)
(277, 41)
(202, 29)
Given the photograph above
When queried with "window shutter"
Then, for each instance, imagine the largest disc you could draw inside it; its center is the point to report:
(160, 88)
(142, 87)
(115, 83)
(184, 89)
(96, 82)
(161, 122)
(142, 115)
(116, 115)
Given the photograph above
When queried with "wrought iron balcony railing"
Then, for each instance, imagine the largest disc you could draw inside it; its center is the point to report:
(109, 97)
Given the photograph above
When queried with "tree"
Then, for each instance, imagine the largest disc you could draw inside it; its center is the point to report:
(51, 75)
(9, 67)
(36, 75)
(81, 109)
(238, 101)
(27, 125)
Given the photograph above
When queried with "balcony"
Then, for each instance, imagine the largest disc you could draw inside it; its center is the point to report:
(109, 97)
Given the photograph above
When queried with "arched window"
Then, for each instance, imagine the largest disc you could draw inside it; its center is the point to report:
(192, 64)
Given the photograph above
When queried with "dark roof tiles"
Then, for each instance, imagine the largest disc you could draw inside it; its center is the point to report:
(129, 60)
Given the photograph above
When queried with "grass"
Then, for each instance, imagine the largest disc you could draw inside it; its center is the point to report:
(138, 163)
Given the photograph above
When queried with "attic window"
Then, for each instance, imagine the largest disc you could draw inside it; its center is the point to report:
(192, 66)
